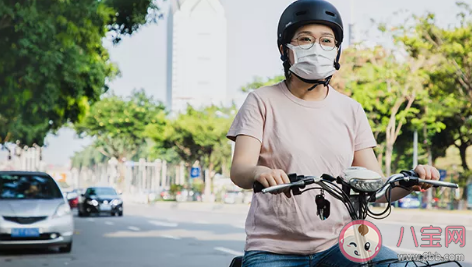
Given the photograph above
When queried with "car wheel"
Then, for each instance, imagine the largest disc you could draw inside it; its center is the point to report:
(120, 213)
(112, 214)
(66, 249)
(81, 214)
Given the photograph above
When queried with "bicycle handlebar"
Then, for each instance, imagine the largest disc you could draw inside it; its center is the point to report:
(405, 179)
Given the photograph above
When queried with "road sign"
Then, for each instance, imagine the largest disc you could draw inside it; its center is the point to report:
(195, 172)
(442, 175)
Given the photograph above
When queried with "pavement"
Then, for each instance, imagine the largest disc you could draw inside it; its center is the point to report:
(169, 234)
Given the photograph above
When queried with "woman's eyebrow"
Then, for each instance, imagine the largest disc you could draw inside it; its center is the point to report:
(308, 32)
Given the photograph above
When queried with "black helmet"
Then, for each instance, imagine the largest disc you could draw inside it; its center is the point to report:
(303, 12)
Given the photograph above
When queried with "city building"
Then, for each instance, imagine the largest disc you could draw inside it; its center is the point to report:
(196, 54)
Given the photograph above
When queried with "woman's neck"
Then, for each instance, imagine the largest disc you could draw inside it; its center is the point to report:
(300, 89)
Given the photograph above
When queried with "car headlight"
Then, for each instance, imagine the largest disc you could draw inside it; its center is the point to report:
(116, 202)
(62, 210)
(93, 202)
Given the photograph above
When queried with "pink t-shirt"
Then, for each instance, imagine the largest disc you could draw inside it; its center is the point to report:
(303, 137)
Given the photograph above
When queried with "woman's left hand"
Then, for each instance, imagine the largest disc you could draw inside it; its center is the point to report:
(425, 172)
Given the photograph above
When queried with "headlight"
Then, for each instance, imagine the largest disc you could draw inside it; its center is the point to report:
(116, 202)
(93, 202)
(366, 185)
(62, 210)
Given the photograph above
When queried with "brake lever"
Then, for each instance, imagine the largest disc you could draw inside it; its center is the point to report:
(293, 177)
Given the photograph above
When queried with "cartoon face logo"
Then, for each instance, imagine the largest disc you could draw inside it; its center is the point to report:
(360, 241)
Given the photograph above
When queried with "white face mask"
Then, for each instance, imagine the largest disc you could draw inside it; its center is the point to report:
(314, 63)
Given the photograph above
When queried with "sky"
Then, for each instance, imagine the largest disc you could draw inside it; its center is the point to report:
(252, 50)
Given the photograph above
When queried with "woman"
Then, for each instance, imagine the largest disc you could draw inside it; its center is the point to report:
(304, 126)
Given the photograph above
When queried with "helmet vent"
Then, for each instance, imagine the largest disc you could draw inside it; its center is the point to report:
(330, 13)
(300, 13)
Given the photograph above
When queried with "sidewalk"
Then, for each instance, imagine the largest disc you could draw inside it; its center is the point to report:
(397, 215)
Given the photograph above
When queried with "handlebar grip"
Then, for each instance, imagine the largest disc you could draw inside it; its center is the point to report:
(257, 186)
(411, 173)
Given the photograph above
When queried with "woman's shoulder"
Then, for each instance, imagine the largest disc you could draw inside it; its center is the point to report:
(344, 100)
(268, 91)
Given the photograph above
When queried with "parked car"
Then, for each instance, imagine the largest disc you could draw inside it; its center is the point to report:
(409, 202)
(100, 200)
(167, 195)
(34, 213)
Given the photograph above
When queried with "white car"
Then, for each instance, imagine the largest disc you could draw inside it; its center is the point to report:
(33, 212)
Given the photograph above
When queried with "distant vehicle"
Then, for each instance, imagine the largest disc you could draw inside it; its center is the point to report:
(33, 212)
(409, 202)
(73, 198)
(100, 200)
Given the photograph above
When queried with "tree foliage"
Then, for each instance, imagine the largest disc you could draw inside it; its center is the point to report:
(118, 124)
(53, 65)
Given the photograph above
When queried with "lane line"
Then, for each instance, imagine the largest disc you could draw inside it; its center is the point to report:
(133, 228)
(109, 223)
(229, 251)
(171, 237)
(239, 226)
(90, 220)
(166, 224)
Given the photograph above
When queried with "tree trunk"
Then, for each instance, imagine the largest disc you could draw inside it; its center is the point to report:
(388, 159)
(211, 174)
(462, 151)
(429, 194)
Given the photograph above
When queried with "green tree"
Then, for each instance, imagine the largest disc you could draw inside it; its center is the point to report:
(451, 78)
(197, 135)
(53, 65)
(88, 157)
(118, 124)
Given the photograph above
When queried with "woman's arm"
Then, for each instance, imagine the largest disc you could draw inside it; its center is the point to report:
(244, 170)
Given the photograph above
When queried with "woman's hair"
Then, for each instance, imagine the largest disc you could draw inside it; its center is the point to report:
(287, 66)
(286, 59)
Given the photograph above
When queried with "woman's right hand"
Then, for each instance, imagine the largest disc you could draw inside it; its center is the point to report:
(272, 177)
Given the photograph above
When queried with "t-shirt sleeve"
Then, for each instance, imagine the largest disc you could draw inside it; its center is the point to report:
(364, 135)
(249, 120)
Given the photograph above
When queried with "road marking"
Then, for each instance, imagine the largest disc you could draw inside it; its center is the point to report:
(171, 237)
(90, 220)
(229, 251)
(166, 224)
(109, 223)
(133, 228)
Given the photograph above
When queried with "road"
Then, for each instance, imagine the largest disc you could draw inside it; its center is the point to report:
(150, 236)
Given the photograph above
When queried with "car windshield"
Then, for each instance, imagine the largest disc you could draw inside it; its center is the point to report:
(28, 187)
(97, 191)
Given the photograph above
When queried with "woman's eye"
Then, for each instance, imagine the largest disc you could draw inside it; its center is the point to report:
(326, 40)
(305, 39)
